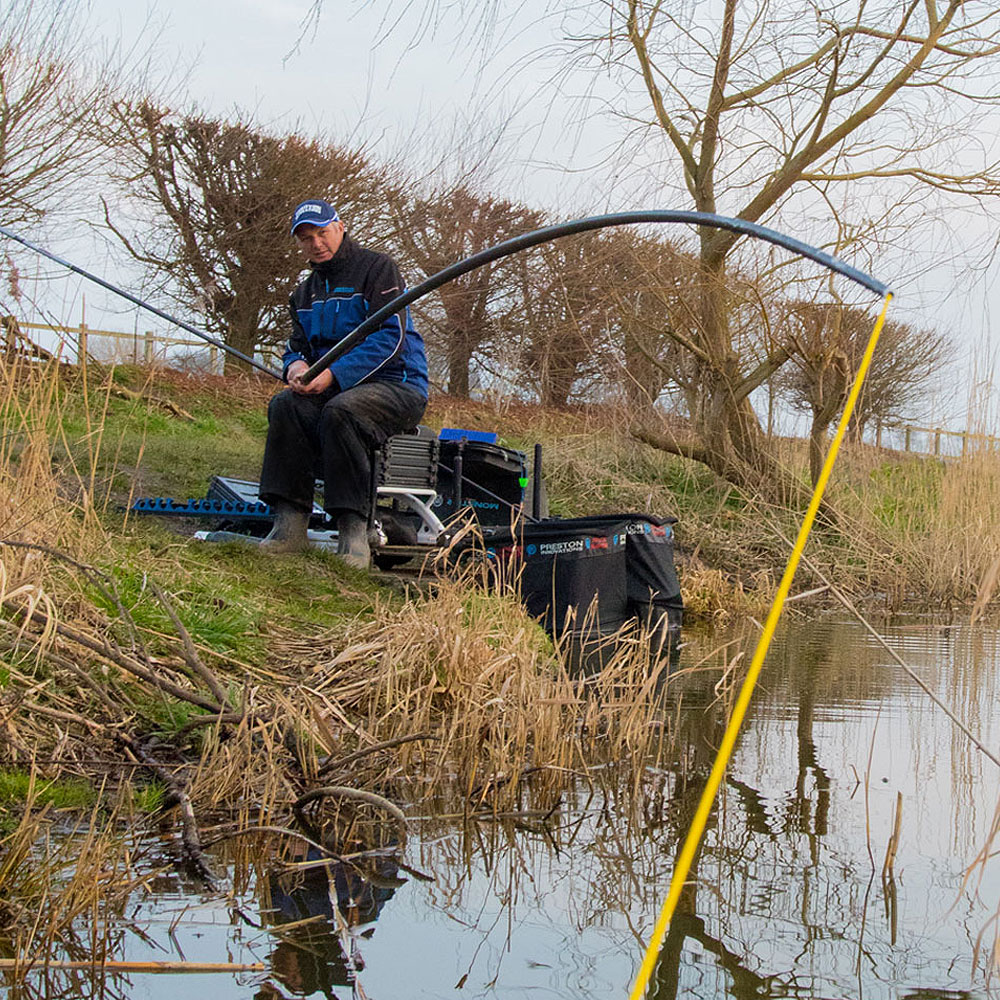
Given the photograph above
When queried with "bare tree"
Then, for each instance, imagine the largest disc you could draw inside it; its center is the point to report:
(212, 200)
(819, 377)
(902, 374)
(567, 293)
(441, 229)
(781, 96)
(827, 342)
(651, 294)
(51, 88)
(758, 108)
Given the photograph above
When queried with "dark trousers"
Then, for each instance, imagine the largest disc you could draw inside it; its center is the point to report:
(333, 434)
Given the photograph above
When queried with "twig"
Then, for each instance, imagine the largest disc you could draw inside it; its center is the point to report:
(23, 965)
(55, 713)
(117, 657)
(343, 792)
(103, 581)
(223, 718)
(807, 593)
(191, 657)
(99, 689)
(283, 830)
(131, 394)
(331, 765)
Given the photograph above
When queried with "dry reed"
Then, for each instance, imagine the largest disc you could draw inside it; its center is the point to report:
(451, 702)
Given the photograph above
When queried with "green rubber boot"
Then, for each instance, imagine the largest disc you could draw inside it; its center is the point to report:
(289, 533)
(352, 545)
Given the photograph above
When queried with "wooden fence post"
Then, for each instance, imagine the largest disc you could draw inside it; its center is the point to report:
(937, 442)
(148, 353)
(906, 440)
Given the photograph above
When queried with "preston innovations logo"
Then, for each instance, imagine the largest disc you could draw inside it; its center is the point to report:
(531, 549)
(554, 548)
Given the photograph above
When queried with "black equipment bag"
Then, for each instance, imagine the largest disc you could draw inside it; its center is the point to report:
(591, 574)
(653, 590)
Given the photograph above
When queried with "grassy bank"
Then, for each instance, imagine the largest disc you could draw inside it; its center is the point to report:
(293, 694)
(911, 529)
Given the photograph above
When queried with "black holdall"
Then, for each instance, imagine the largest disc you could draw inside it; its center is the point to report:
(592, 574)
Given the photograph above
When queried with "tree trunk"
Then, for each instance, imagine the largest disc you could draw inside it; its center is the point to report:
(817, 443)
(242, 335)
(459, 363)
(728, 435)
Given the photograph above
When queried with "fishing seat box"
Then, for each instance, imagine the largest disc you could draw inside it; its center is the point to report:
(492, 483)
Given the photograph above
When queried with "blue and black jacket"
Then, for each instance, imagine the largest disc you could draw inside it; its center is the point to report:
(338, 295)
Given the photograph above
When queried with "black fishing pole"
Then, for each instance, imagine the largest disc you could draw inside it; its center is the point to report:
(505, 249)
(523, 242)
(139, 302)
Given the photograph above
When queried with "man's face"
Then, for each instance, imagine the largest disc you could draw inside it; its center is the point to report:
(319, 243)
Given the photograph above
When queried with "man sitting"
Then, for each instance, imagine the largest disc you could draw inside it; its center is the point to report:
(334, 422)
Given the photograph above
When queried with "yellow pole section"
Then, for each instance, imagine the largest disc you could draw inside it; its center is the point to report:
(694, 834)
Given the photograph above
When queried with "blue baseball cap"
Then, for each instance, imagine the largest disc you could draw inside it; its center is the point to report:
(314, 211)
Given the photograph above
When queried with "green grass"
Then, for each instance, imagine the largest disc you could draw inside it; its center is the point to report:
(148, 798)
(153, 452)
(225, 595)
(64, 793)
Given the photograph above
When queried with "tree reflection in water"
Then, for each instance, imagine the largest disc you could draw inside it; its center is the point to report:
(328, 910)
(784, 897)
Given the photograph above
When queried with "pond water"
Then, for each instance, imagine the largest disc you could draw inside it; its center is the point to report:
(788, 897)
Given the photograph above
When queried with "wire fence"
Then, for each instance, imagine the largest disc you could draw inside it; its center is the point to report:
(148, 347)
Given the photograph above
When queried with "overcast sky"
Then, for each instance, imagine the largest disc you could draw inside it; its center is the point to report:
(356, 73)
(404, 85)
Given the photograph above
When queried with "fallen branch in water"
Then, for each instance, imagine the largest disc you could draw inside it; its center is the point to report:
(282, 830)
(332, 765)
(189, 825)
(343, 792)
(108, 965)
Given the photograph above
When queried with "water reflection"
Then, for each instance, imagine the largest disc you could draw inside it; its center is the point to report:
(783, 895)
(327, 910)
(787, 896)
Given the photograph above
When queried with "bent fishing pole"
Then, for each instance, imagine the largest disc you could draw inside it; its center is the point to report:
(548, 233)
(135, 300)
(696, 830)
